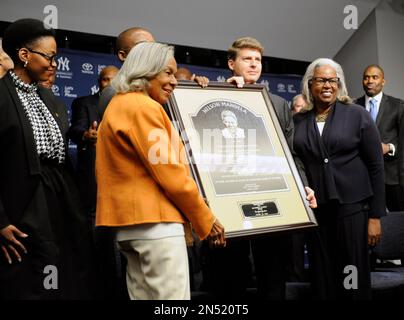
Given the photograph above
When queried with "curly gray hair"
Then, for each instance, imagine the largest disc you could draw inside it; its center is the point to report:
(308, 76)
(143, 63)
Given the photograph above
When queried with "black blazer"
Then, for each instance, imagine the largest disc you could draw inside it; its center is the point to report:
(84, 112)
(390, 122)
(19, 161)
(284, 116)
(346, 162)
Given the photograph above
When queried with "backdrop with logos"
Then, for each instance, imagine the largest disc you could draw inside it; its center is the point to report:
(78, 71)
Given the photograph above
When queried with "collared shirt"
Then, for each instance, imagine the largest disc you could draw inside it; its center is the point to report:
(377, 98)
(47, 135)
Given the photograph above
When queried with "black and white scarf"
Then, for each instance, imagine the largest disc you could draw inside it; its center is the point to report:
(47, 134)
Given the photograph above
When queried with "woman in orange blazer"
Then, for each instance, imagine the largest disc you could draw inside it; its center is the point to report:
(144, 186)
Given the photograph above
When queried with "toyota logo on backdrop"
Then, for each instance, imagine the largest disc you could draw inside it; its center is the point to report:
(87, 68)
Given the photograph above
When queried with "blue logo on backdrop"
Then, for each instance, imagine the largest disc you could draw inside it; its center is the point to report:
(69, 92)
(87, 68)
(63, 64)
(100, 67)
(56, 90)
(94, 89)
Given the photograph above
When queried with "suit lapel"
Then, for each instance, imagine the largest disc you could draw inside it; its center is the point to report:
(361, 101)
(314, 138)
(93, 108)
(326, 131)
(30, 146)
(382, 109)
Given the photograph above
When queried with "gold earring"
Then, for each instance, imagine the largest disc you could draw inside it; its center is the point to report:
(25, 64)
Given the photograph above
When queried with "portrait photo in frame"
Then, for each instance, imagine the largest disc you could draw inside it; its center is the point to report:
(239, 158)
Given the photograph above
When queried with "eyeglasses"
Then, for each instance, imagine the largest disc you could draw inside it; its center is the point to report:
(46, 56)
(322, 81)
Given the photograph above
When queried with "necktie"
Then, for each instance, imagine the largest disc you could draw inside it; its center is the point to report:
(373, 109)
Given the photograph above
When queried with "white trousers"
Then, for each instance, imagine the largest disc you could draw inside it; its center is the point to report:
(157, 269)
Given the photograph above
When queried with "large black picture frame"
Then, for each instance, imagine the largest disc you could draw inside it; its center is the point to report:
(240, 159)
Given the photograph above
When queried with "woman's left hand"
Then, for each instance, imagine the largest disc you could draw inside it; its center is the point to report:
(374, 231)
(310, 197)
(216, 236)
(10, 235)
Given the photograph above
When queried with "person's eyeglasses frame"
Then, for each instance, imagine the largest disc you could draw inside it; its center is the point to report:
(334, 82)
(51, 59)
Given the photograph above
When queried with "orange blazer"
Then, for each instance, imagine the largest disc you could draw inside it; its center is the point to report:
(141, 170)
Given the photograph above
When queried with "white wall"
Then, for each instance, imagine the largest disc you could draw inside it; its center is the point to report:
(390, 34)
(379, 40)
(294, 29)
(360, 51)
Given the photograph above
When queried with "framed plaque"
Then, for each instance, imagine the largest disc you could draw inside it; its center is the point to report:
(239, 158)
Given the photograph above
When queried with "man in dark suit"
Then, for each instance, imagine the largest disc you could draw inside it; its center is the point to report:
(83, 132)
(228, 269)
(125, 41)
(388, 113)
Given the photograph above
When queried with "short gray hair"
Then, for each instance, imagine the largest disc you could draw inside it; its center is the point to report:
(308, 76)
(143, 63)
(294, 99)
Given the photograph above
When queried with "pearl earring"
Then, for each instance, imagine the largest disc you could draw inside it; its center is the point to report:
(25, 64)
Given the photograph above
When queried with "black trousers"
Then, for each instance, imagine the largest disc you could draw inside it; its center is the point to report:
(295, 264)
(229, 271)
(270, 259)
(339, 253)
(60, 250)
(394, 197)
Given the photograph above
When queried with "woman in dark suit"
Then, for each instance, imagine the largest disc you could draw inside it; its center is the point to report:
(340, 149)
(43, 235)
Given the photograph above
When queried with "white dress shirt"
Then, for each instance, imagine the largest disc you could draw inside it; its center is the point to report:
(377, 100)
